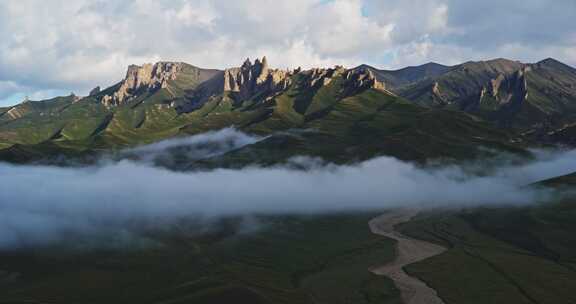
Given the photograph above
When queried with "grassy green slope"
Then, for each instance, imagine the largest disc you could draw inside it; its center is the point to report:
(374, 123)
(34, 121)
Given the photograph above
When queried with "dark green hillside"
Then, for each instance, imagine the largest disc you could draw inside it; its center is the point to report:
(315, 259)
(503, 255)
(369, 124)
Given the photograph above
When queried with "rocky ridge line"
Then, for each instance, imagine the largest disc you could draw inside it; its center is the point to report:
(146, 77)
(245, 82)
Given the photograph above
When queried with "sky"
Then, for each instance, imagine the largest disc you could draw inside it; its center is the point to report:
(56, 47)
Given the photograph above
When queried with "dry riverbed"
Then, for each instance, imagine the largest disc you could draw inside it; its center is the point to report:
(408, 251)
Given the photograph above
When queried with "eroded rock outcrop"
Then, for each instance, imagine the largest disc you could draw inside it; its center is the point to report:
(322, 77)
(148, 77)
(437, 95)
(15, 113)
(508, 89)
(505, 95)
(365, 80)
(251, 79)
(353, 80)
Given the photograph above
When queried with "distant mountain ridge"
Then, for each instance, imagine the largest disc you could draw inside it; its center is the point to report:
(511, 93)
(405, 76)
(382, 111)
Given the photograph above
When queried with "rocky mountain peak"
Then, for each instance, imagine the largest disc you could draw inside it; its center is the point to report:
(148, 77)
(551, 63)
(247, 63)
(250, 79)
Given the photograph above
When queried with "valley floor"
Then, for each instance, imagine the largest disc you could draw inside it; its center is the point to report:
(288, 259)
(408, 251)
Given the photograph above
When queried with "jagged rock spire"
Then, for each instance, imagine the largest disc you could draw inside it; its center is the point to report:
(252, 78)
(247, 63)
(262, 71)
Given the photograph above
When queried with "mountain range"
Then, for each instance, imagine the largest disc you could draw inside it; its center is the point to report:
(414, 113)
(524, 253)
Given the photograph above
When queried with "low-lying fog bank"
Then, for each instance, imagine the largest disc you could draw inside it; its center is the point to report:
(41, 204)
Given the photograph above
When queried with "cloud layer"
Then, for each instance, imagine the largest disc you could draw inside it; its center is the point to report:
(52, 47)
(40, 205)
(169, 152)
